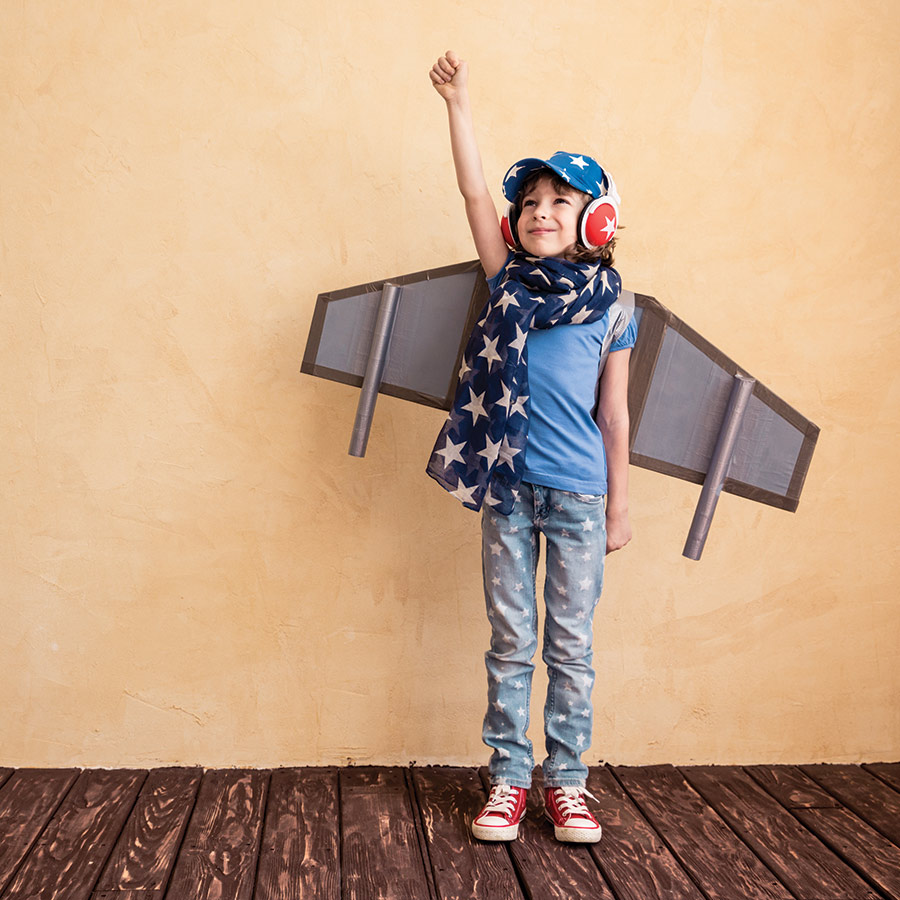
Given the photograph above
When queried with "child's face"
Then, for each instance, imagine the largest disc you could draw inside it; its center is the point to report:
(548, 222)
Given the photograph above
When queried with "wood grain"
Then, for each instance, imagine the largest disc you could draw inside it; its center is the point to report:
(702, 833)
(464, 868)
(889, 773)
(27, 801)
(300, 855)
(632, 855)
(218, 857)
(69, 855)
(796, 857)
(870, 798)
(791, 788)
(144, 855)
(381, 857)
(710, 852)
(870, 853)
(128, 895)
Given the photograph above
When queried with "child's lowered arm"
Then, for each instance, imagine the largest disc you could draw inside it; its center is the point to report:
(612, 416)
(449, 75)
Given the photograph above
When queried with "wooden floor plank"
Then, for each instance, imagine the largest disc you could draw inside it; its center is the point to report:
(28, 800)
(548, 869)
(128, 895)
(797, 858)
(381, 854)
(300, 855)
(887, 772)
(464, 868)
(869, 797)
(716, 859)
(69, 855)
(871, 854)
(221, 846)
(632, 856)
(145, 853)
(717, 833)
(791, 788)
(4, 774)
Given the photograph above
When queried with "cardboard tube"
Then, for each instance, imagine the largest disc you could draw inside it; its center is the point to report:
(381, 339)
(741, 390)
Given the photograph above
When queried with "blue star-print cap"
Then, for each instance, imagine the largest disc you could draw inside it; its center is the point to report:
(583, 172)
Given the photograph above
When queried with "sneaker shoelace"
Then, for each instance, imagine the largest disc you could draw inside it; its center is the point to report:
(571, 802)
(501, 801)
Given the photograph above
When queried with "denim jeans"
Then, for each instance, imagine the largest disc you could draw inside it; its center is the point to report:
(574, 528)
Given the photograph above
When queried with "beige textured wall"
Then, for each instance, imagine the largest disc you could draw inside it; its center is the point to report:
(193, 568)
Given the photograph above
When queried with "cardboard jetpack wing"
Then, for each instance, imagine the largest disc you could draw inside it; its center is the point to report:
(695, 414)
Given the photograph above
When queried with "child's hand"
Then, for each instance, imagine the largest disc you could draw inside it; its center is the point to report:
(449, 75)
(618, 531)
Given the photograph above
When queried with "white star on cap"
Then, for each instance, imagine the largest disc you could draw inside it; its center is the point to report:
(578, 161)
(513, 172)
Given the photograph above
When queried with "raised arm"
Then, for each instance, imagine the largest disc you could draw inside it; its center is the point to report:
(449, 75)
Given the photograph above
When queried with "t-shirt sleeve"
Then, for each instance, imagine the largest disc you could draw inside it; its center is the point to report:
(492, 283)
(628, 337)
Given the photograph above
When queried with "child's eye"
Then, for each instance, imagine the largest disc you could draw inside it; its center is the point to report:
(527, 203)
(562, 200)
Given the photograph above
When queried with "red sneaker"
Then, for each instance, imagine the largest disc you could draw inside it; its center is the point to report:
(572, 820)
(500, 817)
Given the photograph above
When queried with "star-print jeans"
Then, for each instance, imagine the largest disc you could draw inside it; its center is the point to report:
(574, 528)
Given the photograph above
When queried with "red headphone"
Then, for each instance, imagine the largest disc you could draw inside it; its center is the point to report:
(596, 225)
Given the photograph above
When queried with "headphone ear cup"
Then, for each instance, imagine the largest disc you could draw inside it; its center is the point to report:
(508, 222)
(598, 222)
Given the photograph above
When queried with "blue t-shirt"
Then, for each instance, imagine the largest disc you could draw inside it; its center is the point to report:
(564, 449)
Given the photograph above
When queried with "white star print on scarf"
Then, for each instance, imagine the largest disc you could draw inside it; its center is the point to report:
(478, 456)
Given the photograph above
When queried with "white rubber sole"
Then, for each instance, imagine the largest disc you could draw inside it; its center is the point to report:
(486, 833)
(577, 835)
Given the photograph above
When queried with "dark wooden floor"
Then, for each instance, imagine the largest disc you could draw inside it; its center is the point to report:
(813, 832)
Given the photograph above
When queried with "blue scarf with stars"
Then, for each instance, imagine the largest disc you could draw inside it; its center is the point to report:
(479, 454)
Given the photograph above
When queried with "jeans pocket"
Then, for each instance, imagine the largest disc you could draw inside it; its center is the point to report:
(588, 498)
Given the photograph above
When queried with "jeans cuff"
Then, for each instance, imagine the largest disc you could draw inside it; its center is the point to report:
(556, 782)
(512, 782)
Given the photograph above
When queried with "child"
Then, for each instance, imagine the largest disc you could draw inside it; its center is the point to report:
(522, 442)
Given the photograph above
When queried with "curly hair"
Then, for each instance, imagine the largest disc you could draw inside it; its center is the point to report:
(603, 255)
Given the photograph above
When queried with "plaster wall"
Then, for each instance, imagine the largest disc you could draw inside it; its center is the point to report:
(193, 569)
